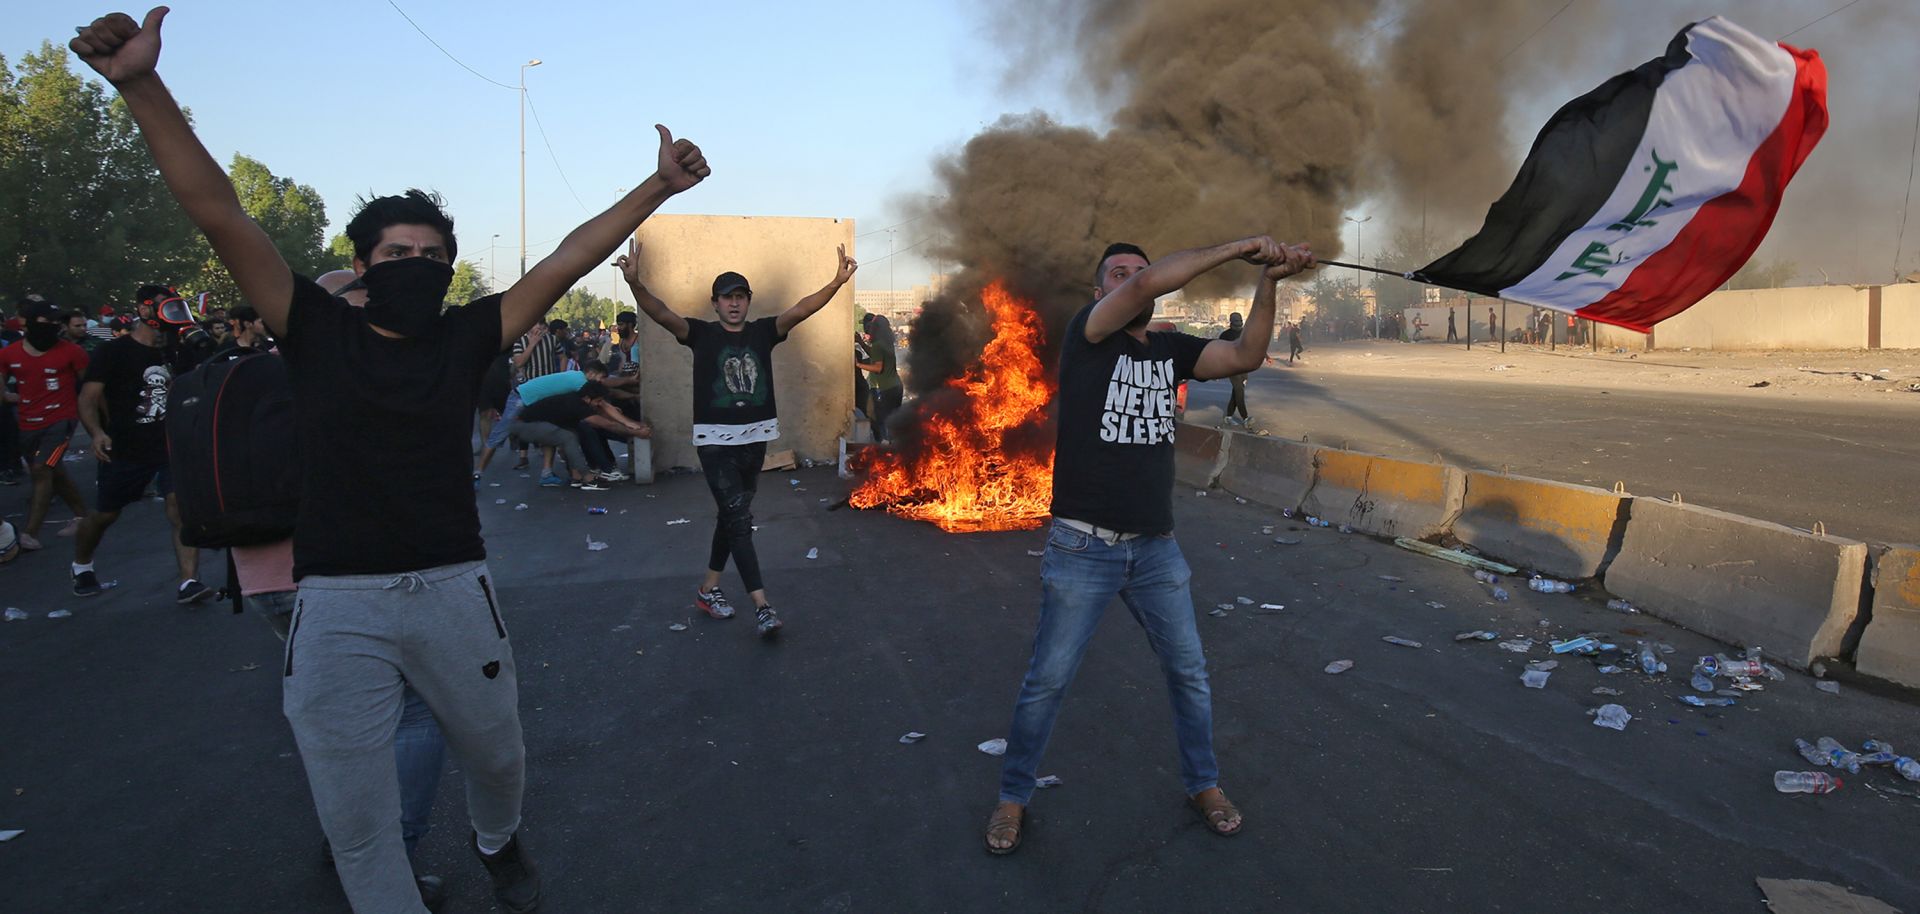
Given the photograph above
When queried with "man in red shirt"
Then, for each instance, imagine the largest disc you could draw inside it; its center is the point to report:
(48, 370)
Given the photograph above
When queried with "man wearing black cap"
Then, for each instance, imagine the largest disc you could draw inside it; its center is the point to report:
(47, 370)
(733, 413)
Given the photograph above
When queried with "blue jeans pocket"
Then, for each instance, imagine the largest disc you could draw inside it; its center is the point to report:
(1068, 539)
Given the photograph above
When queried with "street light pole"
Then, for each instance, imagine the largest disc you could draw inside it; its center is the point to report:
(523, 162)
(1358, 257)
(493, 274)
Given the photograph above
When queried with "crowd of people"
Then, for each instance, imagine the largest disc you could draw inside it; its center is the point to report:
(397, 651)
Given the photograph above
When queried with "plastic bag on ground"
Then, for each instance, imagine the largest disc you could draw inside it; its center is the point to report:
(1613, 717)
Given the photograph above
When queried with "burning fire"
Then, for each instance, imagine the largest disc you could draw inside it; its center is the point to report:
(962, 477)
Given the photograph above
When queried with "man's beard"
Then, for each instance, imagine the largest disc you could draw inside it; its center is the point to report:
(1141, 320)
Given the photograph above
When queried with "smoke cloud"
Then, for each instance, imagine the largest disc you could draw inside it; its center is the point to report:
(1227, 118)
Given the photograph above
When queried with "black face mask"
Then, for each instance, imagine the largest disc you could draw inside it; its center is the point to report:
(43, 336)
(405, 295)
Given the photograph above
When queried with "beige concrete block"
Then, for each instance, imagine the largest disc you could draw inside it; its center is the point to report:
(1743, 581)
(1556, 528)
(1890, 647)
(1271, 471)
(1384, 496)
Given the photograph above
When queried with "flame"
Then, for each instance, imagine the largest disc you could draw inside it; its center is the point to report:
(962, 477)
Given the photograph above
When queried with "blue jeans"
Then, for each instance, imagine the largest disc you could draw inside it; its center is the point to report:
(419, 749)
(1079, 576)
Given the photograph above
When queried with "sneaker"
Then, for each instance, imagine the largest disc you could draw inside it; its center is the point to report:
(28, 543)
(594, 485)
(433, 892)
(551, 481)
(516, 885)
(769, 623)
(613, 476)
(193, 592)
(86, 584)
(713, 603)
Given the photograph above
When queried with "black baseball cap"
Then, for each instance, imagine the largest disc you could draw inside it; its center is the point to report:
(728, 282)
(40, 310)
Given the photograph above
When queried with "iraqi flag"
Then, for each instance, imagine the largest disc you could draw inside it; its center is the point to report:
(1647, 193)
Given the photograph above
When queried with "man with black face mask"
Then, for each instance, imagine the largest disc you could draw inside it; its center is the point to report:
(47, 370)
(393, 584)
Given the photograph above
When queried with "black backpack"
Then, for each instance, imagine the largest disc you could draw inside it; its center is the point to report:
(231, 446)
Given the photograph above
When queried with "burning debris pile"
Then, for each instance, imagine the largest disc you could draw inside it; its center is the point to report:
(979, 452)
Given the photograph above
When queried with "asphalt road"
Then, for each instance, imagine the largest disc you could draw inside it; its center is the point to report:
(1854, 466)
(145, 755)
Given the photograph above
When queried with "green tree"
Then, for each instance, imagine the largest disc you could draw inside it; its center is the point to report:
(1764, 274)
(84, 216)
(468, 284)
(1407, 251)
(583, 309)
(293, 215)
(340, 248)
(1336, 296)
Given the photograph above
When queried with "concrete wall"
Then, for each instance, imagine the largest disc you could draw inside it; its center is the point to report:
(1900, 316)
(1890, 648)
(784, 259)
(1808, 317)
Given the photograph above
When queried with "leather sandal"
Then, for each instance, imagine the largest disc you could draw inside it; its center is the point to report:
(1217, 812)
(1002, 825)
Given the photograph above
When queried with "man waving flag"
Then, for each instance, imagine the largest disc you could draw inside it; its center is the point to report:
(1647, 193)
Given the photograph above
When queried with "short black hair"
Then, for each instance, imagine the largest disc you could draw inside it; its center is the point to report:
(68, 319)
(153, 294)
(626, 317)
(240, 313)
(594, 365)
(557, 325)
(415, 207)
(1118, 247)
(593, 390)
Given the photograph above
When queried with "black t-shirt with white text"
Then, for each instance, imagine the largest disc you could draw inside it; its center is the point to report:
(135, 381)
(386, 426)
(1113, 458)
(733, 381)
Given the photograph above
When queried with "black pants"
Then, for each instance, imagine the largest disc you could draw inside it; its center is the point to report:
(884, 403)
(598, 446)
(9, 440)
(1293, 349)
(1238, 401)
(733, 470)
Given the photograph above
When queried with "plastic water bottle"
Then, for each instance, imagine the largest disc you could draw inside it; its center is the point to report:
(1908, 769)
(1812, 754)
(1805, 782)
(1548, 585)
(1842, 756)
(1650, 661)
(1878, 752)
(1618, 605)
(1500, 593)
(1486, 577)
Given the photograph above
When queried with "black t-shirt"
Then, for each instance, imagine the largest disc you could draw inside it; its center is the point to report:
(733, 381)
(1113, 460)
(387, 428)
(136, 380)
(498, 381)
(564, 410)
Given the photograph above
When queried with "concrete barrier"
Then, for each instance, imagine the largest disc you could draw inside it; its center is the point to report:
(1743, 581)
(1383, 496)
(1890, 647)
(1271, 471)
(1559, 529)
(1197, 454)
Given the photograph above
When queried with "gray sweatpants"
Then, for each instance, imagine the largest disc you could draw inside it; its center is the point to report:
(356, 643)
(546, 434)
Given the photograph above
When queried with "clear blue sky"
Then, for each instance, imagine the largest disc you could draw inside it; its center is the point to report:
(803, 109)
